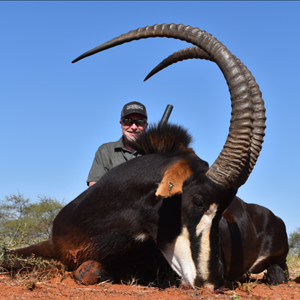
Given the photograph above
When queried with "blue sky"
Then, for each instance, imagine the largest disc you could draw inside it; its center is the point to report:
(55, 114)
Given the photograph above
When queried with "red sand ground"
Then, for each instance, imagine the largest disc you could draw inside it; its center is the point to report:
(64, 287)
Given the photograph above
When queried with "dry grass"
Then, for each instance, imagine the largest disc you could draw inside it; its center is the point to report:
(293, 262)
(27, 271)
(32, 270)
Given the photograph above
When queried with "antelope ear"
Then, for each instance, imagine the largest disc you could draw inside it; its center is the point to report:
(173, 179)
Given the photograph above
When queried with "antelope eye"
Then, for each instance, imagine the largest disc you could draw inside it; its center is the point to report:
(198, 201)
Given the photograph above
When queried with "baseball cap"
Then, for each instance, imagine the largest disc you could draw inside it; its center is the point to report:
(133, 107)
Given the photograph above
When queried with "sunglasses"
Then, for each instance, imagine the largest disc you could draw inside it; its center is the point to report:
(129, 122)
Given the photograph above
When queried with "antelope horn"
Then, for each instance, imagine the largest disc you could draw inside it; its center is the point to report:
(259, 126)
(232, 159)
(186, 53)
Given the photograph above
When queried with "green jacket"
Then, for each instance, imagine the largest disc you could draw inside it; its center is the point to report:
(108, 156)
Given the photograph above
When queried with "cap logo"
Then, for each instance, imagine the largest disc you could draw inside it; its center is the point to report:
(134, 106)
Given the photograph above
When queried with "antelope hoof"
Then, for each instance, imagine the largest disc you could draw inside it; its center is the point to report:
(90, 272)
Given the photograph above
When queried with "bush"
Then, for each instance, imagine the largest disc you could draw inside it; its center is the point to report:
(294, 241)
(26, 221)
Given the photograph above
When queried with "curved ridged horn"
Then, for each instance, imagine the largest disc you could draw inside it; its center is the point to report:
(259, 126)
(232, 159)
(186, 53)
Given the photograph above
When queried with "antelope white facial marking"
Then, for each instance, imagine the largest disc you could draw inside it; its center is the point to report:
(141, 237)
(179, 255)
(203, 228)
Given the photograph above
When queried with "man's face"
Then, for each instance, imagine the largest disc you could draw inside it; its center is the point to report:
(130, 132)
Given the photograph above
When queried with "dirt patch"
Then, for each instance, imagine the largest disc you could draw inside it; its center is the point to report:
(64, 287)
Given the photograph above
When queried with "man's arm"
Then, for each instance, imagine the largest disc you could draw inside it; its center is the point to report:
(99, 167)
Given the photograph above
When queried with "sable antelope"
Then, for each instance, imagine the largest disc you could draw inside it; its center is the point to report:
(173, 200)
(252, 237)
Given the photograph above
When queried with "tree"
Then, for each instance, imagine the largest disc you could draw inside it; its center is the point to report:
(294, 240)
(31, 220)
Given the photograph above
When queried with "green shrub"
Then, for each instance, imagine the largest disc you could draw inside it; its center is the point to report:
(23, 222)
